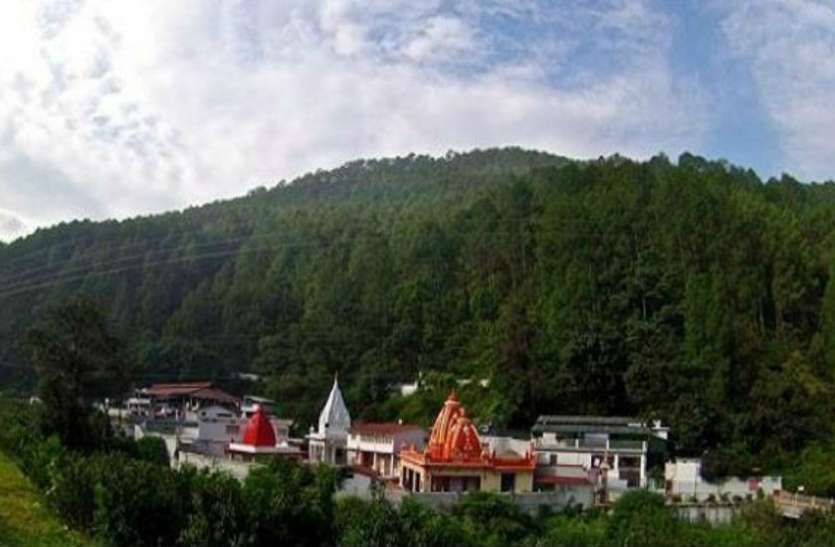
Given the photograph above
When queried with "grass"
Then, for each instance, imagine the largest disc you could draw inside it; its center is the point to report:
(24, 518)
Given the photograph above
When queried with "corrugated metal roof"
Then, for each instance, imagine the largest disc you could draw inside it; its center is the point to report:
(198, 390)
(618, 425)
(382, 428)
(599, 420)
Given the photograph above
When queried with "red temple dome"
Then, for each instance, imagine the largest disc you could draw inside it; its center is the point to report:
(453, 436)
(259, 431)
(462, 442)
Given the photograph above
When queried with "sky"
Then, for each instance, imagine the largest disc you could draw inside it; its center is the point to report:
(114, 109)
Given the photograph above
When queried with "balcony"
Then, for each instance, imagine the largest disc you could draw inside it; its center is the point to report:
(595, 445)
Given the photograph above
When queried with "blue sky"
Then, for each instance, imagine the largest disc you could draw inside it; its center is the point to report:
(112, 109)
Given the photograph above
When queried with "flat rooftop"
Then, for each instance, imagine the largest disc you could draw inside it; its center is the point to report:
(569, 424)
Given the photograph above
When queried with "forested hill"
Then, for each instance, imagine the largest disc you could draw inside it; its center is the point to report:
(691, 291)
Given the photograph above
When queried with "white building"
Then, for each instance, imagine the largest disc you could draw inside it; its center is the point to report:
(586, 441)
(210, 431)
(328, 443)
(683, 478)
(377, 446)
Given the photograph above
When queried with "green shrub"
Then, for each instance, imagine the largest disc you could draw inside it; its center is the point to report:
(37, 458)
(640, 518)
(218, 515)
(72, 488)
(152, 450)
(574, 531)
(494, 518)
(291, 504)
(139, 503)
(367, 523)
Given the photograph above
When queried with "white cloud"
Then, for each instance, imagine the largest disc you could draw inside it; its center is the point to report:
(790, 45)
(10, 226)
(133, 107)
(443, 37)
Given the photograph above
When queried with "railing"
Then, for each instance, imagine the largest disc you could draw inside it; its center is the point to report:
(626, 445)
(167, 426)
(806, 502)
(590, 444)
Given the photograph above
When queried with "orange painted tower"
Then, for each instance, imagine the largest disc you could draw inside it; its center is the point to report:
(456, 460)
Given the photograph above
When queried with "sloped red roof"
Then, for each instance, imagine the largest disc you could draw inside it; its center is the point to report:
(167, 390)
(382, 428)
(214, 395)
(198, 390)
(259, 431)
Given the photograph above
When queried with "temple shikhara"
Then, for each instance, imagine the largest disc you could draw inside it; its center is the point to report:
(259, 438)
(329, 442)
(455, 460)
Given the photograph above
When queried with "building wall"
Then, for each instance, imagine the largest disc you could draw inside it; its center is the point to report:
(683, 478)
(386, 447)
(702, 490)
(387, 444)
(491, 480)
(368, 443)
(218, 430)
(585, 459)
(237, 469)
(532, 502)
(507, 444)
(714, 514)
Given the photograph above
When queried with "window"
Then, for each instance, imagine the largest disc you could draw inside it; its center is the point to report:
(508, 482)
(552, 459)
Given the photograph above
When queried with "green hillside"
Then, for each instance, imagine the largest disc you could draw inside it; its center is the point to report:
(24, 520)
(690, 291)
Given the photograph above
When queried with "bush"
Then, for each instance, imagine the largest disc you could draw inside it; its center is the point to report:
(577, 531)
(218, 516)
(423, 527)
(814, 471)
(640, 518)
(72, 488)
(362, 523)
(139, 503)
(494, 517)
(152, 450)
(37, 458)
(290, 504)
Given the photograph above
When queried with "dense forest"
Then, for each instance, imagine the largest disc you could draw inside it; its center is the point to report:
(689, 291)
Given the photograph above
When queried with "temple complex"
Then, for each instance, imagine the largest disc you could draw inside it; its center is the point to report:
(455, 460)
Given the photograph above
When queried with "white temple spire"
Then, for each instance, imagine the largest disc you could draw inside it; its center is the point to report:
(335, 418)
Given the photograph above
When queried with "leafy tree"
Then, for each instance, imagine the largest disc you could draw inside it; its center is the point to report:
(219, 517)
(139, 503)
(290, 503)
(640, 518)
(77, 361)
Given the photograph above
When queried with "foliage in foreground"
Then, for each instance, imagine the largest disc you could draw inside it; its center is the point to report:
(126, 501)
(24, 518)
